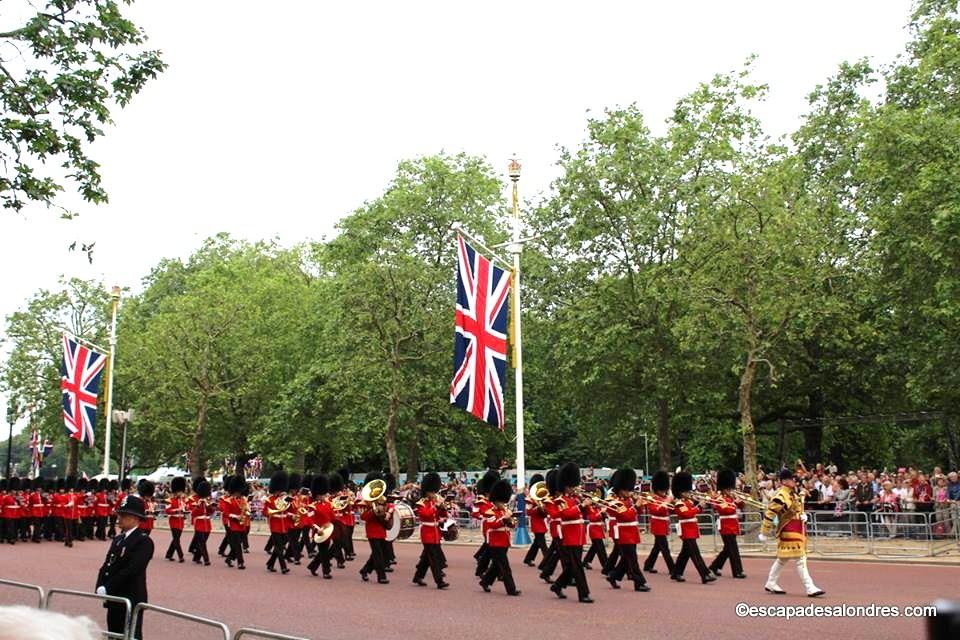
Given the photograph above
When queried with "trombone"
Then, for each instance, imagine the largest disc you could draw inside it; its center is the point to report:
(749, 500)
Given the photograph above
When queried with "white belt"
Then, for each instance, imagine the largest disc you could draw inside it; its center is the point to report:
(687, 520)
(667, 518)
(566, 522)
(429, 524)
(728, 517)
(201, 517)
(101, 504)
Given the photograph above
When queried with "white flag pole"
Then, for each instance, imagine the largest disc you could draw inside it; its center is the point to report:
(515, 247)
(115, 295)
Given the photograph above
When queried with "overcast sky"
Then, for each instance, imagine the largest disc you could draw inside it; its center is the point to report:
(275, 119)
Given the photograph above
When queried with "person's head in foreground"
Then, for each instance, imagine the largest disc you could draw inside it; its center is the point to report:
(27, 623)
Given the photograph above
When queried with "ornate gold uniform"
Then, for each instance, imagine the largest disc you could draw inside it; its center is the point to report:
(787, 506)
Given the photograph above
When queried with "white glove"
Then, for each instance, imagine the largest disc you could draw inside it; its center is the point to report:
(761, 537)
(101, 591)
(803, 517)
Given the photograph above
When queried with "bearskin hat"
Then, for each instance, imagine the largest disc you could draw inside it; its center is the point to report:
(370, 477)
(4, 483)
(682, 483)
(335, 482)
(279, 481)
(39, 484)
(113, 485)
(49, 484)
(535, 478)
(391, 482)
(61, 484)
(104, 484)
(431, 483)
(569, 476)
(82, 484)
(307, 483)
(726, 479)
(786, 474)
(501, 491)
(553, 486)
(293, 484)
(320, 485)
(145, 488)
(344, 474)
(126, 484)
(485, 484)
(202, 487)
(626, 480)
(238, 484)
(71, 483)
(178, 484)
(660, 481)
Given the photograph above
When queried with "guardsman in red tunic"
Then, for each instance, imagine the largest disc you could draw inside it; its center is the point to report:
(7, 510)
(85, 503)
(71, 511)
(176, 510)
(659, 509)
(145, 489)
(36, 506)
(573, 535)
(596, 530)
(430, 510)
(346, 516)
(537, 515)
(687, 510)
(614, 557)
(550, 561)
(237, 515)
(201, 511)
(58, 500)
(727, 508)
(322, 527)
(277, 510)
(481, 505)
(101, 509)
(499, 520)
(293, 533)
(342, 498)
(624, 511)
(377, 516)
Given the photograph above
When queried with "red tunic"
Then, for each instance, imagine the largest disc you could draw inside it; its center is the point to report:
(200, 512)
(594, 522)
(101, 506)
(553, 518)
(498, 534)
(687, 512)
(322, 513)
(296, 517)
(430, 517)
(659, 518)
(374, 526)
(149, 507)
(71, 507)
(279, 521)
(175, 509)
(233, 514)
(11, 508)
(573, 530)
(83, 505)
(726, 509)
(57, 501)
(36, 504)
(628, 529)
(538, 520)
(479, 511)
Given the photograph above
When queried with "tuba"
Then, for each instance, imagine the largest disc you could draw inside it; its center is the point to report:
(539, 493)
(341, 503)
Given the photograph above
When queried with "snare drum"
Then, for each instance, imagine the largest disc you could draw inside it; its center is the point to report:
(449, 530)
(404, 522)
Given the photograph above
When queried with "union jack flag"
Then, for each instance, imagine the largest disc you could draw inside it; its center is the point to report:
(80, 374)
(39, 452)
(480, 340)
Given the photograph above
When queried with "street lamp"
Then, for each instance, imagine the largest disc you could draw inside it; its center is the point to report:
(646, 455)
(123, 418)
(12, 411)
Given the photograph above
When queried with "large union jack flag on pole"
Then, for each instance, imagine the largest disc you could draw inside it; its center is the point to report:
(80, 374)
(480, 342)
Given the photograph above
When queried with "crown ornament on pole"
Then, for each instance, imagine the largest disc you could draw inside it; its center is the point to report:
(513, 169)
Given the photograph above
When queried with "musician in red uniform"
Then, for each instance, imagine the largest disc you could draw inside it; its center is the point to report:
(727, 508)
(58, 500)
(687, 510)
(430, 510)
(293, 532)
(201, 511)
(572, 535)
(345, 517)
(71, 511)
(146, 489)
(176, 510)
(307, 513)
(624, 511)
(499, 520)
(35, 506)
(549, 563)
(101, 509)
(236, 516)
(322, 527)
(277, 510)
(221, 498)
(377, 517)
(595, 533)
(85, 500)
(7, 511)
(614, 556)
(659, 510)
(537, 515)
(481, 505)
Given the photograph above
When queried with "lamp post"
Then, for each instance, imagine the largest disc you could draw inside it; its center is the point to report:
(646, 455)
(115, 297)
(123, 418)
(12, 411)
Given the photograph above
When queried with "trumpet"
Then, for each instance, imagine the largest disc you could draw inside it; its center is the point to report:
(612, 503)
(653, 498)
(747, 499)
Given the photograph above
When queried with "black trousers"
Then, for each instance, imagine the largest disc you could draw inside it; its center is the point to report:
(338, 544)
(482, 556)
(730, 551)
(49, 527)
(549, 563)
(199, 546)
(539, 545)
(112, 531)
(117, 620)
(499, 569)
(101, 531)
(628, 565)
(597, 549)
(25, 523)
(322, 557)
(431, 557)
(660, 547)
(377, 560)
(225, 543)
(389, 555)
(294, 552)
(68, 527)
(306, 541)
(612, 559)
(175, 544)
(278, 548)
(235, 543)
(691, 551)
(348, 542)
(9, 529)
(37, 529)
(571, 560)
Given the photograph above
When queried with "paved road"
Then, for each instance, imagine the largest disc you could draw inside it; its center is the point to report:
(345, 608)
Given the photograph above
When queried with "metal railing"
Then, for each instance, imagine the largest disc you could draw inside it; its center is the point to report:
(888, 526)
(843, 534)
(94, 596)
(750, 522)
(207, 622)
(28, 587)
(249, 632)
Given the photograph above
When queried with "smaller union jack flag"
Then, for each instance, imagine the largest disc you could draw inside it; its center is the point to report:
(80, 374)
(480, 342)
(39, 452)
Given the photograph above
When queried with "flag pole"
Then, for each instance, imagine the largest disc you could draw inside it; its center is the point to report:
(115, 295)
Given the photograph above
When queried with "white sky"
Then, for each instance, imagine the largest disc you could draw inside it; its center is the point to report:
(275, 119)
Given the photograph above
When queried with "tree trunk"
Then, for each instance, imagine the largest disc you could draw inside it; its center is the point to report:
(953, 452)
(299, 459)
(663, 434)
(813, 435)
(391, 436)
(73, 456)
(746, 423)
(413, 454)
(196, 450)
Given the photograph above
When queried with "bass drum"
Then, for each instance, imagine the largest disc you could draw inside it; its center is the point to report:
(449, 530)
(403, 524)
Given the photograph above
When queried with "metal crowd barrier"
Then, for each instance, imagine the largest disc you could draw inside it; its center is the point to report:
(944, 530)
(887, 526)
(93, 596)
(750, 522)
(844, 535)
(207, 622)
(249, 632)
(29, 587)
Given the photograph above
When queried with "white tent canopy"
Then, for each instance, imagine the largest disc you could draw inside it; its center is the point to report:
(164, 474)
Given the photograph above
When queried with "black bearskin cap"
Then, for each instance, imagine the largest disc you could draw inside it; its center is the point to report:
(104, 484)
(344, 475)
(279, 481)
(71, 483)
(501, 491)
(145, 488)
(293, 484)
(61, 484)
(202, 487)
(307, 482)
(569, 476)
(4, 483)
(238, 484)
(786, 474)
(49, 484)
(113, 485)
(39, 484)
(726, 479)
(660, 481)
(82, 484)
(320, 485)
(485, 484)
(335, 481)
(682, 483)
(552, 485)
(126, 484)
(391, 482)
(431, 483)
(626, 480)
(535, 478)
(370, 477)
(178, 484)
